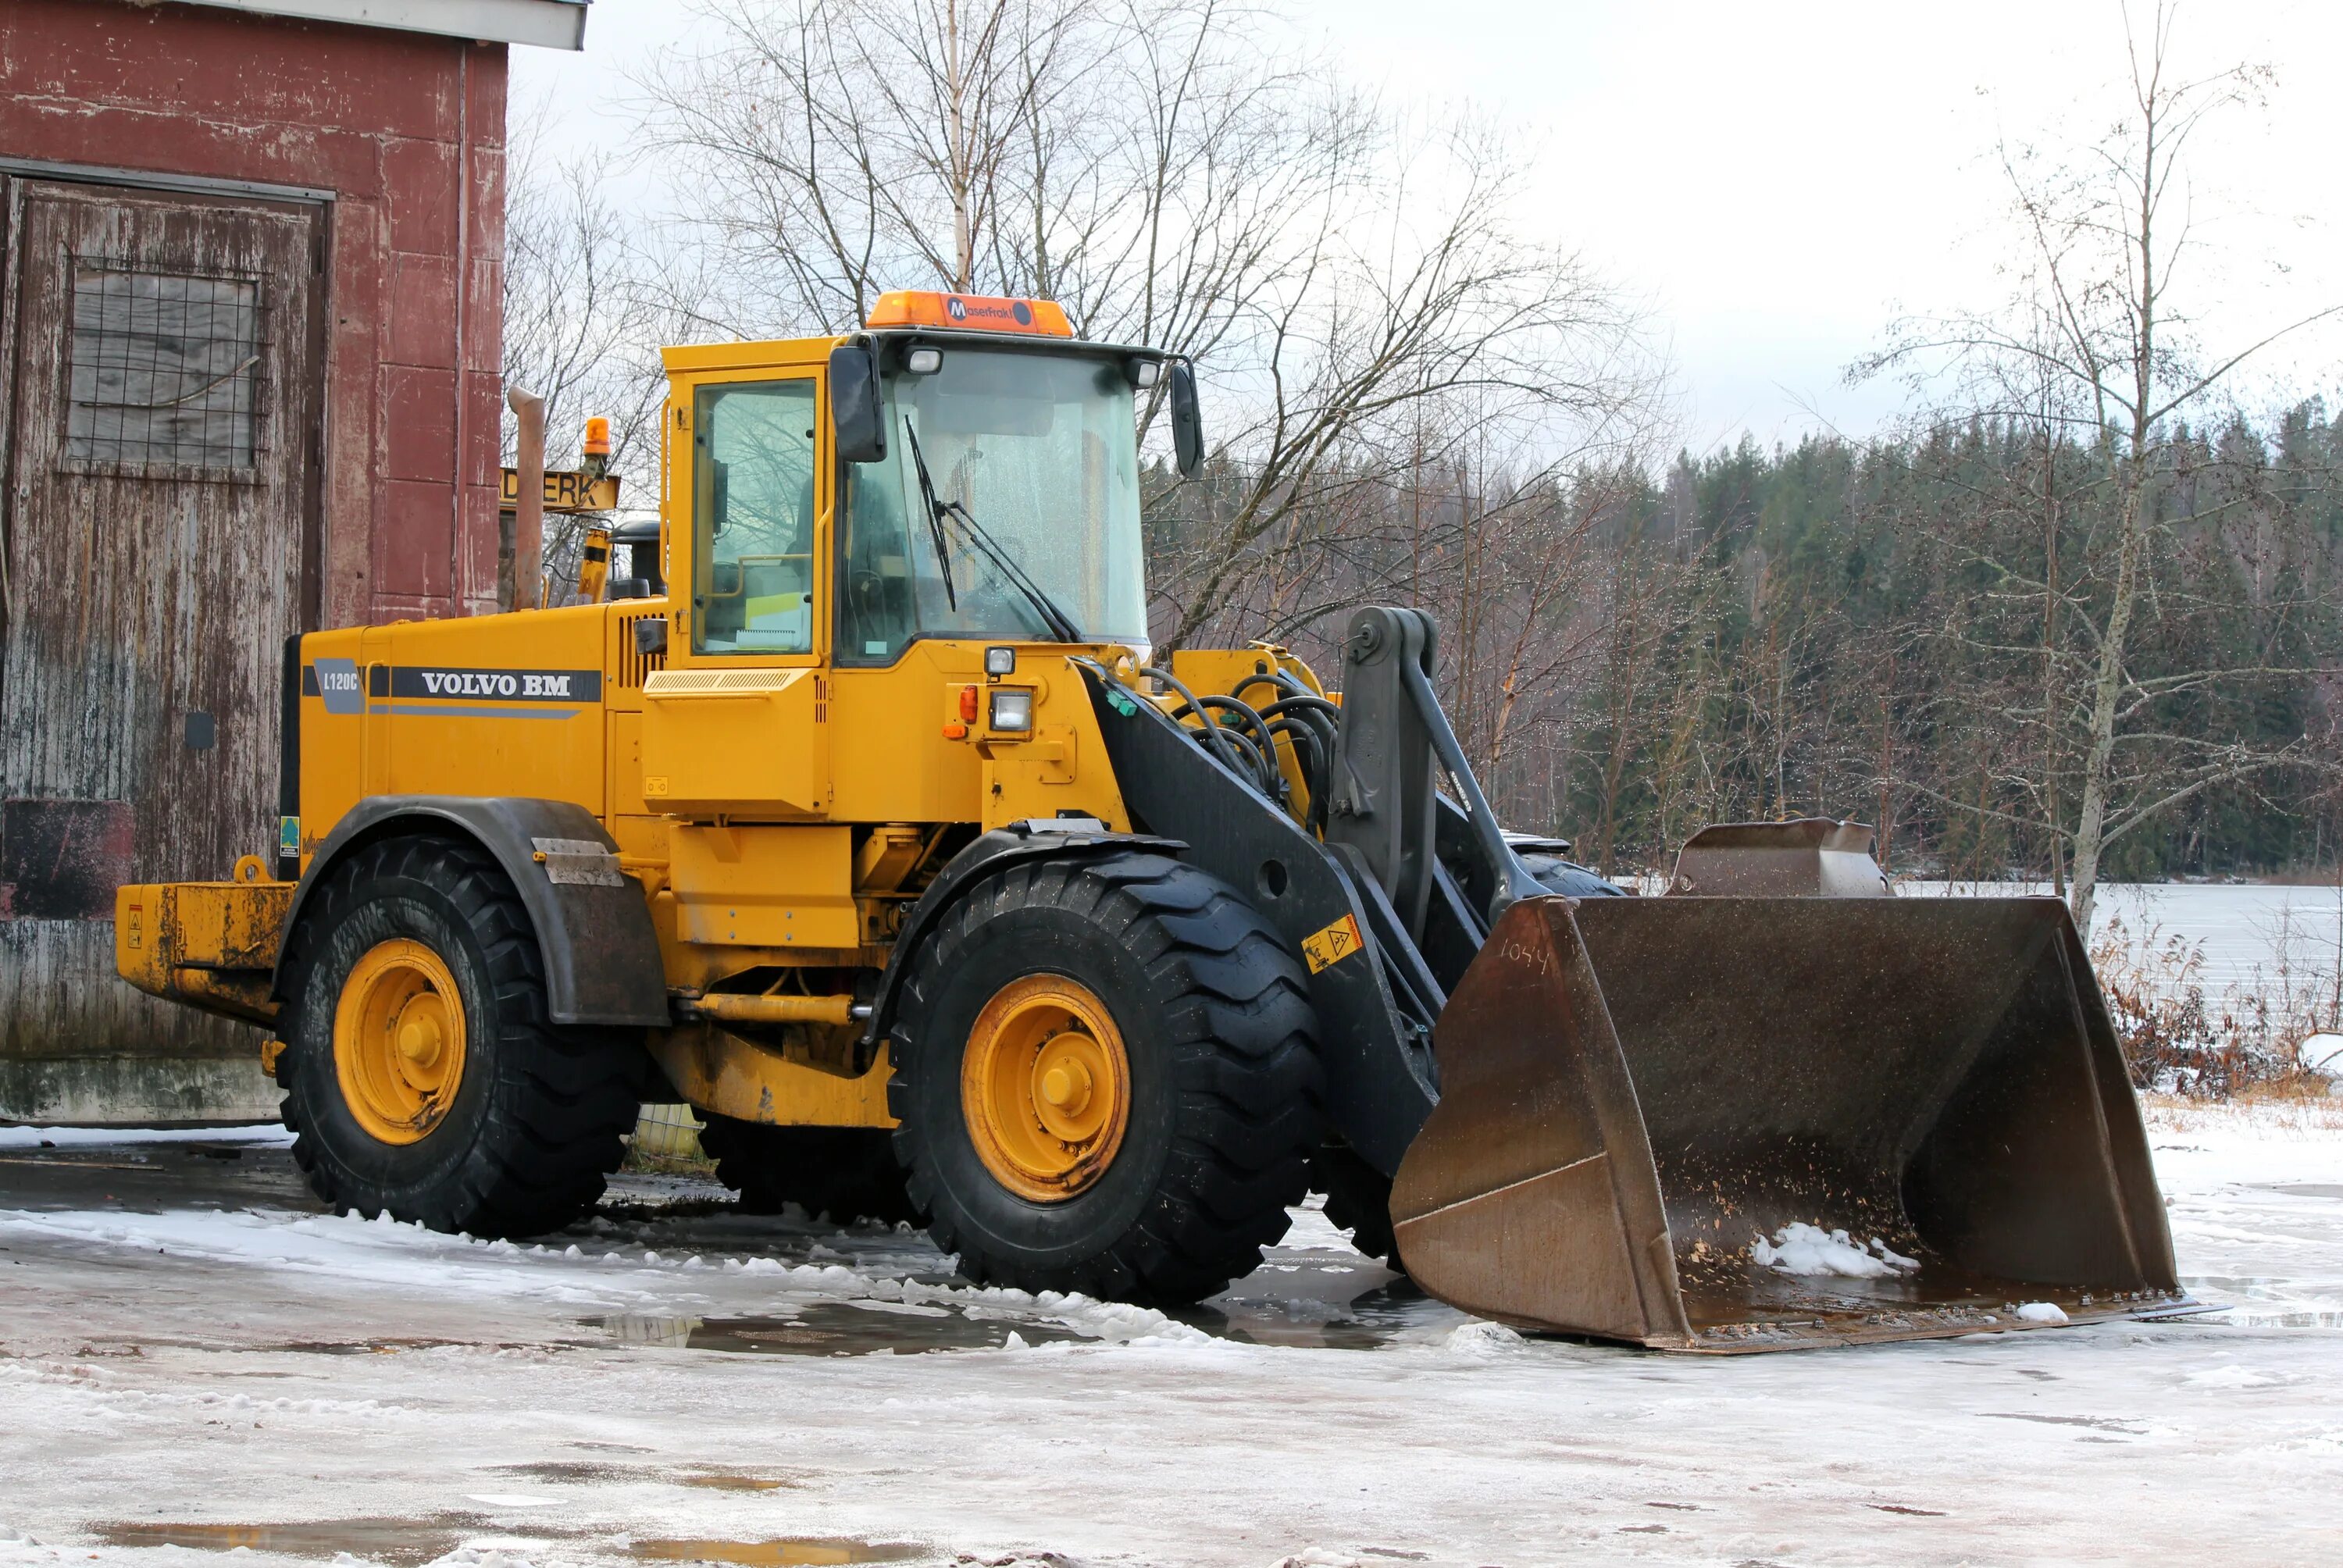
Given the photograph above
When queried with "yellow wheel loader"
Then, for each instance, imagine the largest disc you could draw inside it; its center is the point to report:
(859, 816)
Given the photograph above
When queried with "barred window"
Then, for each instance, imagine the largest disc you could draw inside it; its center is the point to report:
(164, 373)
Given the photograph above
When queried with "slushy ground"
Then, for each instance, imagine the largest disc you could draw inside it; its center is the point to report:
(192, 1361)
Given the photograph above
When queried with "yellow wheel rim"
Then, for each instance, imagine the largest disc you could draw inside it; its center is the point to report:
(1045, 1087)
(398, 1040)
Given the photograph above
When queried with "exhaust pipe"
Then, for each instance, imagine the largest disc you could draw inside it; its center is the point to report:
(529, 507)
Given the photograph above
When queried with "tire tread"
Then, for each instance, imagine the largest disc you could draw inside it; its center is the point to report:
(564, 1097)
(1244, 1066)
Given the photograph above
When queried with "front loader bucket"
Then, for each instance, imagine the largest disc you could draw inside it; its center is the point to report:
(1633, 1092)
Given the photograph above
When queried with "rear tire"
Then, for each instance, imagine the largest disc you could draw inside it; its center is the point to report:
(847, 1173)
(1358, 1200)
(1208, 1032)
(515, 1127)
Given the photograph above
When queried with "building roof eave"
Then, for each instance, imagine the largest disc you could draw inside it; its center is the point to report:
(548, 24)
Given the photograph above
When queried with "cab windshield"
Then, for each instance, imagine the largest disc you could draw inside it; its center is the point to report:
(1031, 453)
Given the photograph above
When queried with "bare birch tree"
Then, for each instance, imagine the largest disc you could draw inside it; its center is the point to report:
(2097, 341)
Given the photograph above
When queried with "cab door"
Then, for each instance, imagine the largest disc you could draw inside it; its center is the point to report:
(737, 726)
(756, 501)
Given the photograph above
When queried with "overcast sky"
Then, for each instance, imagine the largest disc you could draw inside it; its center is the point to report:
(1779, 182)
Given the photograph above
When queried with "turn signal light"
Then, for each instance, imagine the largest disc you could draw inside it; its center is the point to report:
(969, 313)
(968, 704)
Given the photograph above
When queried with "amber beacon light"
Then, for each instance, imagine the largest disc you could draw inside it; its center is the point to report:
(969, 313)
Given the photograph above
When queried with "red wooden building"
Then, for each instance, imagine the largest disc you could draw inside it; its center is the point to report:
(249, 317)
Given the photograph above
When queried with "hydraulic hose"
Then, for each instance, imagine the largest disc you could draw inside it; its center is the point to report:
(1243, 738)
(1214, 738)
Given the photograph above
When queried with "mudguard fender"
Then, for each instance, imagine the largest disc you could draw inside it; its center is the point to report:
(1042, 838)
(593, 925)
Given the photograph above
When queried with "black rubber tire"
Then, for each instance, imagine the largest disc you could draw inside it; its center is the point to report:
(540, 1115)
(847, 1173)
(1358, 1200)
(1225, 1081)
(1568, 878)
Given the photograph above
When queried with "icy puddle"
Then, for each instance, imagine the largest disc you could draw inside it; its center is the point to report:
(2266, 1304)
(575, 1472)
(886, 1293)
(831, 1329)
(1327, 1299)
(738, 1483)
(403, 1542)
(1361, 1309)
(409, 1542)
(789, 1552)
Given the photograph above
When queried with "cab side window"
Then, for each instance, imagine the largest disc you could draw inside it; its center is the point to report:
(878, 601)
(752, 514)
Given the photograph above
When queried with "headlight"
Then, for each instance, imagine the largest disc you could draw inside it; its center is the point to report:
(999, 661)
(1012, 711)
(924, 361)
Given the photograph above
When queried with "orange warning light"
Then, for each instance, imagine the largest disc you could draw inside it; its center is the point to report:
(969, 313)
(597, 436)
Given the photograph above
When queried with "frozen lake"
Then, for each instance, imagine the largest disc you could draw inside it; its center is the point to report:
(2245, 928)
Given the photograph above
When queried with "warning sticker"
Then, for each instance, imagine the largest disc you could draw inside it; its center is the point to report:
(1332, 945)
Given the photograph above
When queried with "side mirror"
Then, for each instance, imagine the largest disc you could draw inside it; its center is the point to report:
(1187, 421)
(856, 421)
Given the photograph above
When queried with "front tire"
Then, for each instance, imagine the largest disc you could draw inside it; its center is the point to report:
(421, 1076)
(1106, 1079)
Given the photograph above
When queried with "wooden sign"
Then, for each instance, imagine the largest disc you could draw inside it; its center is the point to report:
(565, 492)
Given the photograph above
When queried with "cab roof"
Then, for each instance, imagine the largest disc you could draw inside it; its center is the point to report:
(1030, 322)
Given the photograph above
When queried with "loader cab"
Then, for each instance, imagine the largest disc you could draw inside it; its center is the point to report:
(971, 475)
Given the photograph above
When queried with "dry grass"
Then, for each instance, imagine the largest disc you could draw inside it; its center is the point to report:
(2290, 1109)
(2178, 1039)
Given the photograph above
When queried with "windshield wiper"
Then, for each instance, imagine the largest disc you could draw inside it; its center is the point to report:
(1061, 623)
(935, 517)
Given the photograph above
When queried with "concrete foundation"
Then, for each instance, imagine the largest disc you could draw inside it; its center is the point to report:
(133, 1091)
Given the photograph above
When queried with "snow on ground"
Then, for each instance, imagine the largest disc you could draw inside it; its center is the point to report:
(122, 1136)
(2254, 1194)
(203, 1359)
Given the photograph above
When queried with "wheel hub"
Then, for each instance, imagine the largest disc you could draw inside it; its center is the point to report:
(398, 1040)
(1045, 1087)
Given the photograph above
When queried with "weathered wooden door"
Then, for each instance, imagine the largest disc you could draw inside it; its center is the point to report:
(162, 404)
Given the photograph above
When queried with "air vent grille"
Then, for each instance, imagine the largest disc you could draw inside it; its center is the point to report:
(725, 682)
(633, 664)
